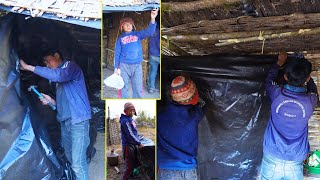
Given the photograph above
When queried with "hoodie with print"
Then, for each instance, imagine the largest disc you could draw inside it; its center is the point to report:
(128, 48)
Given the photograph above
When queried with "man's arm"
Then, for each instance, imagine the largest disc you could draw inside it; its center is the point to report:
(270, 80)
(151, 28)
(270, 83)
(312, 89)
(67, 72)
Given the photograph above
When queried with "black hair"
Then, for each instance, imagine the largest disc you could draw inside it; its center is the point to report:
(51, 52)
(297, 71)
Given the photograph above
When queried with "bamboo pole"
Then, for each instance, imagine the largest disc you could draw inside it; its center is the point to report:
(217, 36)
(271, 36)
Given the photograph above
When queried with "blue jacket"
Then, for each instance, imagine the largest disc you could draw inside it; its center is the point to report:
(129, 133)
(286, 135)
(154, 43)
(129, 48)
(70, 78)
(177, 133)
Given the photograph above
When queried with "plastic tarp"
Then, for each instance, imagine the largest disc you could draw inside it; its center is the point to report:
(147, 158)
(25, 150)
(231, 134)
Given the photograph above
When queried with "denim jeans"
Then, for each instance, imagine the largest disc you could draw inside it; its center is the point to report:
(276, 169)
(153, 64)
(168, 174)
(131, 73)
(75, 140)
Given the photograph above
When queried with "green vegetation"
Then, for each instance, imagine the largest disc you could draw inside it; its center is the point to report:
(143, 117)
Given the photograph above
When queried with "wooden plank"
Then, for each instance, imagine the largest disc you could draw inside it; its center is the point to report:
(218, 36)
(196, 5)
(309, 43)
(246, 24)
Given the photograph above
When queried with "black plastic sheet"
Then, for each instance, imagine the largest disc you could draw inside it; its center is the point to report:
(146, 158)
(25, 150)
(231, 134)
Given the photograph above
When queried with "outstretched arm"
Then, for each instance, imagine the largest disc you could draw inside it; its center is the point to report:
(68, 72)
(312, 89)
(152, 26)
(270, 83)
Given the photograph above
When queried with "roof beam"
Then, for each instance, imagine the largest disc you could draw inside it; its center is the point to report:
(246, 24)
(196, 5)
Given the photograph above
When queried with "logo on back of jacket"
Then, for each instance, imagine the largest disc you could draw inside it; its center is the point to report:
(129, 39)
(294, 113)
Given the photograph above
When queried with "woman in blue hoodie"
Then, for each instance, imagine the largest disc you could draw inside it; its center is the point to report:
(128, 54)
(177, 132)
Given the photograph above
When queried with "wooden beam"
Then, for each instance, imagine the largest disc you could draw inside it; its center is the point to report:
(218, 36)
(271, 36)
(172, 47)
(247, 24)
(196, 5)
(290, 44)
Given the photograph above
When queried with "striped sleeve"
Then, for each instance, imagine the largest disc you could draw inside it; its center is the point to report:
(131, 136)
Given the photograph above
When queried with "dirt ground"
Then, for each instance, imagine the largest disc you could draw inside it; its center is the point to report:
(112, 93)
(111, 171)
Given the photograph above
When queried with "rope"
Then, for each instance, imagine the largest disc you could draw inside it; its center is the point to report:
(261, 38)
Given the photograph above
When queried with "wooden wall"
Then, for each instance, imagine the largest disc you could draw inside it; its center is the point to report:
(112, 32)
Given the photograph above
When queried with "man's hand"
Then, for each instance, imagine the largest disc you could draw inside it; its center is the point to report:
(282, 58)
(117, 71)
(154, 14)
(26, 67)
(141, 146)
(47, 99)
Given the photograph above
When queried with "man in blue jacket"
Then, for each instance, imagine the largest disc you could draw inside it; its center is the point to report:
(286, 142)
(154, 58)
(130, 140)
(128, 55)
(73, 108)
